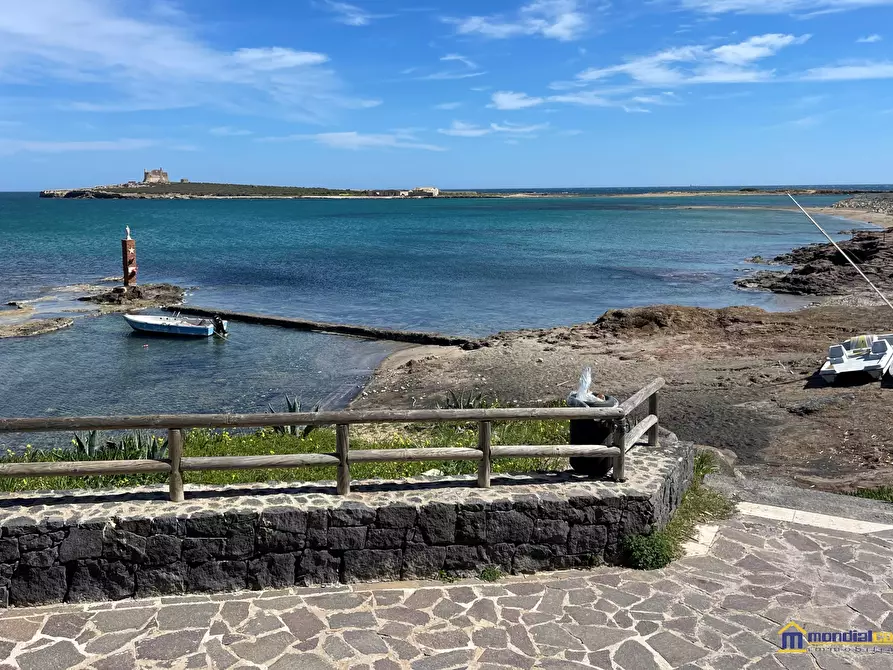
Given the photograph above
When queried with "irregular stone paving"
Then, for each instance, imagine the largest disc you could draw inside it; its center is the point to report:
(721, 611)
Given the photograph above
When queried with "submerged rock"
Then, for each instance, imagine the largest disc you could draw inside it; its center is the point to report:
(34, 327)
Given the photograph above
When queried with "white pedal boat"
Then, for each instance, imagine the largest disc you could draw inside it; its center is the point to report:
(869, 354)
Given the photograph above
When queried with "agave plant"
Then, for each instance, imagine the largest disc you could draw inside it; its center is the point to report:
(293, 406)
(85, 444)
(462, 401)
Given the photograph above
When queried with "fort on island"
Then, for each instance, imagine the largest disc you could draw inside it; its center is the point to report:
(158, 176)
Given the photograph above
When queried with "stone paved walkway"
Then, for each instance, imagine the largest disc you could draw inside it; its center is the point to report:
(721, 610)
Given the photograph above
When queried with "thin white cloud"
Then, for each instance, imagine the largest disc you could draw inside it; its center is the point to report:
(516, 128)
(355, 141)
(462, 129)
(451, 75)
(553, 19)
(11, 146)
(448, 105)
(780, 6)
(121, 57)
(806, 122)
(228, 131)
(351, 15)
(697, 64)
(460, 58)
(869, 39)
(851, 72)
(507, 100)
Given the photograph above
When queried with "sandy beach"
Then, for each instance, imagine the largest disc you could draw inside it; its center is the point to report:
(738, 379)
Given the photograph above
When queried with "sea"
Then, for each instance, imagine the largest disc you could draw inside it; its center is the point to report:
(463, 267)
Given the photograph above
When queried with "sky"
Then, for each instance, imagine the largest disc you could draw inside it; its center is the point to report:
(458, 94)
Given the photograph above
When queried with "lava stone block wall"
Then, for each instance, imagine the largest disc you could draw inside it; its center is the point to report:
(53, 561)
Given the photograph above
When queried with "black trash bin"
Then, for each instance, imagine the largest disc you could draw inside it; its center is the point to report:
(592, 431)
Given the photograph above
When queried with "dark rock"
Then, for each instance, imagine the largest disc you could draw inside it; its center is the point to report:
(464, 559)
(344, 538)
(4, 596)
(396, 516)
(168, 525)
(164, 580)
(284, 519)
(9, 550)
(351, 515)
(318, 567)
(531, 558)
(240, 543)
(385, 538)
(40, 559)
(124, 546)
(163, 549)
(206, 525)
(511, 526)
(501, 555)
(35, 542)
(587, 540)
(420, 561)
(217, 576)
(136, 526)
(471, 527)
(272, 541)
(37, 586)
(100, 580)
(202, 549)
(80, 544)
(550, 531)
(438, 523)
(272, 571)
(372, 565)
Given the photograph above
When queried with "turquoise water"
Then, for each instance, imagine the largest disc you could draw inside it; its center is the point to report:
(468, 267)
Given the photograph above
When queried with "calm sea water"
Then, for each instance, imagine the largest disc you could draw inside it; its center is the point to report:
(457, 266)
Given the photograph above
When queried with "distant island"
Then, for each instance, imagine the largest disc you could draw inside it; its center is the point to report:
(156, 184)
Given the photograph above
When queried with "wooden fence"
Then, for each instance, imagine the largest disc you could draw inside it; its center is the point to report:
(625, 437)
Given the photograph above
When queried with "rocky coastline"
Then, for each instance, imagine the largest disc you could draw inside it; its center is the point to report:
(821, 270)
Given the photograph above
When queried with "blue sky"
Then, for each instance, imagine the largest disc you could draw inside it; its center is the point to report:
(487, 94)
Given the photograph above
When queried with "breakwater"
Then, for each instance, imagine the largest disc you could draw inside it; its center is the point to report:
(368, 332)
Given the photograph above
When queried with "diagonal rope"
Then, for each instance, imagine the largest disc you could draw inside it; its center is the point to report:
(842, 253)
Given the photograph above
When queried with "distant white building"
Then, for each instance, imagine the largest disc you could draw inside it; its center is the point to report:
(425, 192)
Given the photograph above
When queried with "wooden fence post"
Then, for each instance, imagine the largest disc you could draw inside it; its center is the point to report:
(484, 436)
(175, 453)
(620, 443)
(342, 446)
(652, 409)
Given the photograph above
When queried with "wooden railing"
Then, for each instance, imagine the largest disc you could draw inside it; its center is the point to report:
(624, 439)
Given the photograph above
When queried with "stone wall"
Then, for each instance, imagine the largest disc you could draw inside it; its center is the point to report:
(274, 536)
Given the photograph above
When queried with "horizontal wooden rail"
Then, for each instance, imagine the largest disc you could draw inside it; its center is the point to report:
(549, 450)
(408, 455)
(344, 417)
(639, 431)
(624, 437)
(256, 462)
(83, 468)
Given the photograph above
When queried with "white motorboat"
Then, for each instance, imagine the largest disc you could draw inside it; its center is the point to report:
(868, 354)
(176, 325)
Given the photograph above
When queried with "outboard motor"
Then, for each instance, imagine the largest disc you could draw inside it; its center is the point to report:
(219, 326)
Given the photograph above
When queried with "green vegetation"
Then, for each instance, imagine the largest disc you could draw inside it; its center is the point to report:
(883, 493)
(492, 573)
(271, 441)
(700, 504)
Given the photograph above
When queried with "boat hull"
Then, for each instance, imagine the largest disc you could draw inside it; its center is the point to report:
(169, 326)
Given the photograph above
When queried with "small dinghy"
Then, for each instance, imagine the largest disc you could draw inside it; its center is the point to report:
(177, 325)
(869, 354)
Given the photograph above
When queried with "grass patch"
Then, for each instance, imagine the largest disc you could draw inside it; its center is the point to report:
(882, 493)
(269, 441)
(700, 504)
(492, 573)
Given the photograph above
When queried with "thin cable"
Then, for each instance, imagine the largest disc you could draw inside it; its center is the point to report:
(842, 253)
